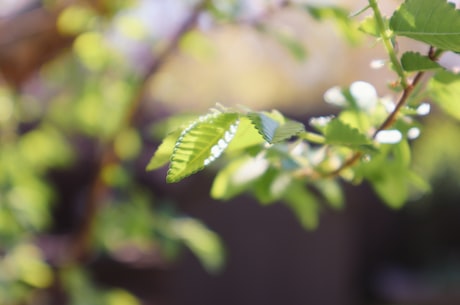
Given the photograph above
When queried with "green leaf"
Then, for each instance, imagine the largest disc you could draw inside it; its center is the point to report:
(332, 192)
(304, 205)
(237, 177)
(247, 136)
(444, 89)
(273, 130)
(163, 153)
(201, 143)
(370, 27)
(389, 174)
(271, 186)
(435, 22)
(392, 185)
(204, 243)
(414, 61)
(339, 133)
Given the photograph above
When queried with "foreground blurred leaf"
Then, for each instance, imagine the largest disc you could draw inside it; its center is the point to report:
(444, 88)
(304, 205)
(341, 18)
(205, 244)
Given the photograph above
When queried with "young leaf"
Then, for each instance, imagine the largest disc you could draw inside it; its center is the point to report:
(435, 22)
(414, 61)
(339, 133)
(272, 130)
(444, 88)
(201, 143)
(164, 151)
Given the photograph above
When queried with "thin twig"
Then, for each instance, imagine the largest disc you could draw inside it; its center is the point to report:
(390, 120)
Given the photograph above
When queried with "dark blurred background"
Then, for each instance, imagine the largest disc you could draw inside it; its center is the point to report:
(83, 85)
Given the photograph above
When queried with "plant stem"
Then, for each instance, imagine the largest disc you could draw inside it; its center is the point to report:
(386, 38)
(433, 55)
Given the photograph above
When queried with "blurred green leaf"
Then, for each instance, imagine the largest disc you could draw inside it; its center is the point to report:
(444, 88)
(204, 243)
(304, 205)
(341, 17)
(332, 192)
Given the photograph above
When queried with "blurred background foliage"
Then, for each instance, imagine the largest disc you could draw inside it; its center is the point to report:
(84, 83)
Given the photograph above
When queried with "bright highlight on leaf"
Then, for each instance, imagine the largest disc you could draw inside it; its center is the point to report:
(201, 143)
(435, 22)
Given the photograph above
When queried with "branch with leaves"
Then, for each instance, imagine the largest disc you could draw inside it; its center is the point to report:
(277, 159)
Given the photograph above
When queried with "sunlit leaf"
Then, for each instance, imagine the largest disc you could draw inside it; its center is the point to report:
(247, 136)
(201, 143)
(435, 22)
(414, 61)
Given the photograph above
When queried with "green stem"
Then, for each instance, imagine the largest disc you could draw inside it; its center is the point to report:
(312, 137)
(386, 38)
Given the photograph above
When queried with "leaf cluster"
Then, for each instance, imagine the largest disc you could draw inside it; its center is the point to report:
(275, 158)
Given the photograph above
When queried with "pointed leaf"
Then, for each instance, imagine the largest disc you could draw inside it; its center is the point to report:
(264, 124)
(339, 133)
(444, 88)
(435, 22)
(247, 136)
(287, 131)
(414, 61)
(164, 151)
(275, 130)
(201, 143)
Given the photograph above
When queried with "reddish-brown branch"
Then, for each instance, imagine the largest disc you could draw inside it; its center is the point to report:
(390, 120)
